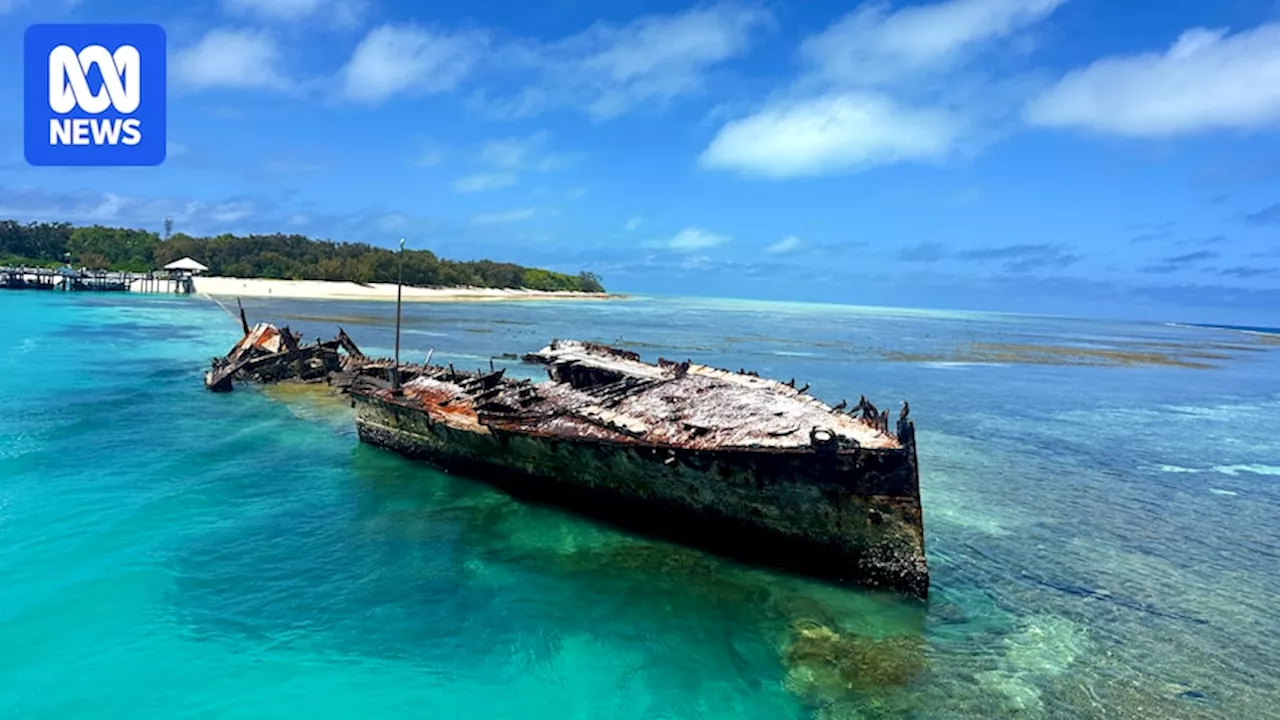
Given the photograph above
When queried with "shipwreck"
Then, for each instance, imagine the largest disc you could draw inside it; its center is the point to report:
(732, 462)
(270, 354)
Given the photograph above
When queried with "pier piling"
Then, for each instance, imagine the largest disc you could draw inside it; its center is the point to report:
(66, 279)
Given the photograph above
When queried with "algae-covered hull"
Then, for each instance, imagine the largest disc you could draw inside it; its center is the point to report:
(731, 462)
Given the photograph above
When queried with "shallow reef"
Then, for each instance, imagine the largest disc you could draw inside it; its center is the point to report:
(825, 666)
(990, 352)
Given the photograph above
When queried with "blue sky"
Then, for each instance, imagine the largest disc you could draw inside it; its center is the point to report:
(1080, 157)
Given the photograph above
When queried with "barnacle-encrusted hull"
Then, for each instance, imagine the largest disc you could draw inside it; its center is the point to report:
(732, 462)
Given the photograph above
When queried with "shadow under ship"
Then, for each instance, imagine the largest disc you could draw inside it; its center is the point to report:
(741, 465)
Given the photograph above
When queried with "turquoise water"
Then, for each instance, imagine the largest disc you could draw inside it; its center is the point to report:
(1104, 539)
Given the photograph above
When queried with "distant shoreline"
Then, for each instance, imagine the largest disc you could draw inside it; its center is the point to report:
(338, 290)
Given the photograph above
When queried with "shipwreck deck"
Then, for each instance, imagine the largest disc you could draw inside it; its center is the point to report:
(599, 393)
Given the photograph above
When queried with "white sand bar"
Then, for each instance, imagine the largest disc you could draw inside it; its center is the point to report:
(333, 290)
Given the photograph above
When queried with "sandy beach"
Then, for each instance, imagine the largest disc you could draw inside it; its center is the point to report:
(331, 290)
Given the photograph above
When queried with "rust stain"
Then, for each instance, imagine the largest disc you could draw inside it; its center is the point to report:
(443, 402)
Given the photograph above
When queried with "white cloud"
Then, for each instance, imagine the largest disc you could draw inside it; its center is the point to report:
(1208, 79)
(523, 153)
(7, 6)
(690, 239)
(788, 244)
(575, 193)
(231, 59)
(872, 45)
(880, 87)
(608, 70)
(108, 209)
(392, 222)
(241, 214)
(605, 70)
(484, 181)
(230, 212)
(634, 223)
(695, 262)
(430, 158)
(510, 216)
(507, 157)
(831, 133)
(507, 152)
(409, 59)
(39, 204)
(173, 149)
(342, 12)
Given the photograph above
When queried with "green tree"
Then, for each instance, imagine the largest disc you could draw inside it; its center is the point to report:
(268, 256)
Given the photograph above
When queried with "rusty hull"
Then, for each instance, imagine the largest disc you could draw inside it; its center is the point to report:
(738, 464)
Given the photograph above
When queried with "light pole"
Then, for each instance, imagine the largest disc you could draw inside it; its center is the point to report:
(395, 375)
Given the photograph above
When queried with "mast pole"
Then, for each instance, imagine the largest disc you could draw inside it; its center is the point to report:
(395, 374)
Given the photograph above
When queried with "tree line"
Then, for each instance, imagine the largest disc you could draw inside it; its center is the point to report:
(290, 257)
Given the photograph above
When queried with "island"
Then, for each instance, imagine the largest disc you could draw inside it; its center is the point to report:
(281, 265)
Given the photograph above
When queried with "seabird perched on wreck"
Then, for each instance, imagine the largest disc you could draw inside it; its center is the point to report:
(872, 407)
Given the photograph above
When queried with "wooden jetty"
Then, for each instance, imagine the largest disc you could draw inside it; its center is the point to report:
(66, 279)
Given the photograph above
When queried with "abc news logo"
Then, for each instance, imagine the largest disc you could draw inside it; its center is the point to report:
(94, 95)
(69, 89)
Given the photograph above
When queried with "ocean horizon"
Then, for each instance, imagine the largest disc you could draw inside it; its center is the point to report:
(1171, 319)
(1100, 503)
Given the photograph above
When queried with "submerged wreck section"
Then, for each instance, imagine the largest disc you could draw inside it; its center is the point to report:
(729, 461)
